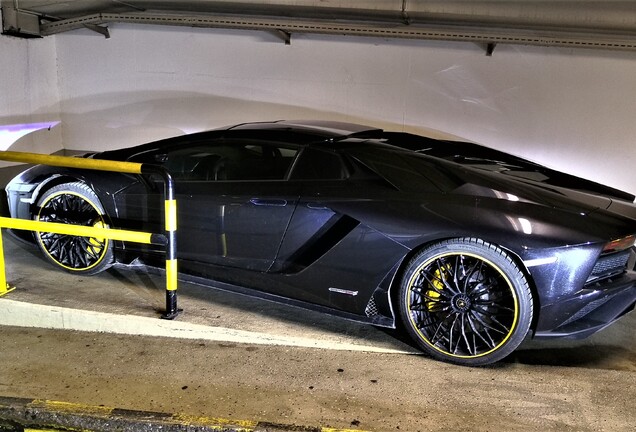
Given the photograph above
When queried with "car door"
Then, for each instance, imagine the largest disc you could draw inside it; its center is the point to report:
(329, 255)
(233, 199)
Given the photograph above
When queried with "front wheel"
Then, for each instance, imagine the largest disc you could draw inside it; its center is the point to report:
(465, 301)
(74, 203)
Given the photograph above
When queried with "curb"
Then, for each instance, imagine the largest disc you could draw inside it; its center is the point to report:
(22, 415)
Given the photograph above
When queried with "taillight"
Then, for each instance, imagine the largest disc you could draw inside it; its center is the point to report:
(619, 244)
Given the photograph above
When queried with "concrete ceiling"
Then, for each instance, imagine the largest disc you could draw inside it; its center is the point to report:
(605, 24)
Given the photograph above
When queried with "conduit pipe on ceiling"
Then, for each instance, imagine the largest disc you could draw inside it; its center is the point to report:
(606, 24)
(608, 15)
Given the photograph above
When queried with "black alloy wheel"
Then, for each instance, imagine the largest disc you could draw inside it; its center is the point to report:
(73, 203)
(465, 301)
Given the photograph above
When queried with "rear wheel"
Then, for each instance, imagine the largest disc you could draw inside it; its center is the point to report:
(465, 301)
(74, 203)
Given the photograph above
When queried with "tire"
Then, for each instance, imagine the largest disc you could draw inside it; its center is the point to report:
(465, 301)
(73, 203)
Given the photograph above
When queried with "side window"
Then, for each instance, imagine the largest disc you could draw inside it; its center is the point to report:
(259, 162)
(202, 163)
(224, 162)
(316, 164)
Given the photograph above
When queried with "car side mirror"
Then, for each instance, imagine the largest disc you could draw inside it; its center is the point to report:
(160, 158)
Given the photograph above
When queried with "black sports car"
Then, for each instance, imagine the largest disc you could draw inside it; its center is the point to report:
(468, 247)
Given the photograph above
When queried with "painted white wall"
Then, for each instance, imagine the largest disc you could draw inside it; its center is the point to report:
(569, 109)
(29, 91)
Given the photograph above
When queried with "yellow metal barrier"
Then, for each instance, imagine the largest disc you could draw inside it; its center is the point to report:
(169, 238)
(72, 162)
(77, 230)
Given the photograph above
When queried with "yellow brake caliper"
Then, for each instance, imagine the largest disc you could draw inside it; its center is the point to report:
(436, 285)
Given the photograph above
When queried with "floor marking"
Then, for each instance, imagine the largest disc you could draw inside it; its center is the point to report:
(41, 430)
(56, 416)
(192, 420)
(69, 407)
(21, 314)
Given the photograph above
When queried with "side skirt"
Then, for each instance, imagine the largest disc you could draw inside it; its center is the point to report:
(376, 320)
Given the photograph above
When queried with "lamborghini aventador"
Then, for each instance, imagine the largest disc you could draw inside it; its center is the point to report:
(470, 249)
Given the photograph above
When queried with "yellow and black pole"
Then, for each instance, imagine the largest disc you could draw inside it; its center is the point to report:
(170, 239)
(5, 288)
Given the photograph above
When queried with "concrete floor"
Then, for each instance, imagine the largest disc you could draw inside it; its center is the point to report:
(238, 358)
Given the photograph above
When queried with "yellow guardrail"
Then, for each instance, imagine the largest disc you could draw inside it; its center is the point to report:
(169, 238)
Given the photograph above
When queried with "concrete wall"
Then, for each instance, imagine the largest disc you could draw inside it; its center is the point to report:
(29, 91)
(570, 109)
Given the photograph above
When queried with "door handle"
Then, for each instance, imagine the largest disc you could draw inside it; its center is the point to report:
(316, 206)
(269, 202)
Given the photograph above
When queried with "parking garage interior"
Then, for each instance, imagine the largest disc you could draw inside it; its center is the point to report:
(552, 82)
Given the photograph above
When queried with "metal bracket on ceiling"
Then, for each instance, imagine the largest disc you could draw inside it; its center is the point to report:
(103, 30)
(16, 22)
(284, 36)
(490, 48)
(406, 19)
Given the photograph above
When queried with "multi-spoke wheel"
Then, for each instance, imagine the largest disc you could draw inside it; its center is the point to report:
(465, 301)
(73, 203)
